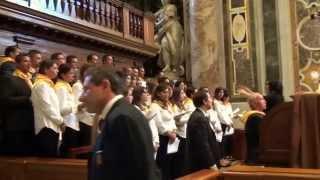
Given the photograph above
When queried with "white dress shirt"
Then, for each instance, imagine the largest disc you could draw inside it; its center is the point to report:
(215, 124)
(164, 119)
(67, 104)
(152, 125)
(225, 115)
(82, 115)
(182, 122)
(46, 107)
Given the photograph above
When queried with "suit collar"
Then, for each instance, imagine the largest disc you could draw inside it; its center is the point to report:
(205, 113)
(109, 106)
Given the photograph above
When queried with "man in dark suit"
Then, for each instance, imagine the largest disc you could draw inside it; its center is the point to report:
(202, 144)
(257, 104)
(123, 149)
(17, 111)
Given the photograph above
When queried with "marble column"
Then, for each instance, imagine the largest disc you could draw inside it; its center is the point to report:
(207, 59)
(286, 47)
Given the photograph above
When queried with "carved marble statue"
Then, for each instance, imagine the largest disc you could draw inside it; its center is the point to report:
(170, 37)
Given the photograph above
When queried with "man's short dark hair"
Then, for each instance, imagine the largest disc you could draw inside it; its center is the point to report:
(54, 56)
(98, 74)
(199, 97)
(163, 79)
(83, 70)
(90, 57)
(33, 52)
(105, 57)
(10, 49)
(190, 91)
(20, 57)
(44, 65)
(69, 58)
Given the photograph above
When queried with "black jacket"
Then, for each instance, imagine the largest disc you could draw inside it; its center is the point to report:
(202, 145)
(126, 146)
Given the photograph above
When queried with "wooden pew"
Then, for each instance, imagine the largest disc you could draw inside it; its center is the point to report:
(275, 135)
(42, 168)
(241, 172)
(205, 174)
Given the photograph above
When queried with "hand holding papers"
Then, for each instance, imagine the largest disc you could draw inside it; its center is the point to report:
(179, 115)
(150, 115)
(173, 147)
(72, 122)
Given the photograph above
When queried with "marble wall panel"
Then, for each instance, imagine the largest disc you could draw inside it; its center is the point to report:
(206, 43)
(271, 40)
(307, 32)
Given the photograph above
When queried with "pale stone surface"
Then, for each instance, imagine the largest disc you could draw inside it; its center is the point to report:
(206, 43)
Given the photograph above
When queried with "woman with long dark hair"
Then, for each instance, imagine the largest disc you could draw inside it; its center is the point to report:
(275, 94)
(70, 137)
(162, 107)
(142, 100)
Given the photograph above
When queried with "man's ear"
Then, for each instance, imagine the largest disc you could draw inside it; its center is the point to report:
(105, 83)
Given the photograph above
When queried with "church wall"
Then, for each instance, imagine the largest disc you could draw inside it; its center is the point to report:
(240, 46)
(305, 37)
(49, 47)
(271, 40)
(207, 60)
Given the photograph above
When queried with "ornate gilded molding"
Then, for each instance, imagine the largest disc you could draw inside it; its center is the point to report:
(241, 69)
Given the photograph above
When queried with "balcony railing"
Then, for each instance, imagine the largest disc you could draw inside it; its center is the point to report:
(110, 16)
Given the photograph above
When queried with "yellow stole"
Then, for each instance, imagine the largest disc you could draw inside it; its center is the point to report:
(5, 59)
(187, 101)
(63, 84)
(42, 79)
(247, 114)
(167, 106)
(25, 76)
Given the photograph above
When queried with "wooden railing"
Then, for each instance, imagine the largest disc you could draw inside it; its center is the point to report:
(111, 16)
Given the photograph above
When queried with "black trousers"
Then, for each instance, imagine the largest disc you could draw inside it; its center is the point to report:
(47, 143)
(226, 148)
(85, 135)
(18, 143)
(180, 160)
(70, 139)
(166, 162)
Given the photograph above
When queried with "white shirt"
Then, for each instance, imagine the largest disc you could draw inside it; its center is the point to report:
(108, 106)
(164, 119)
(46, 108)
(153, 127)
(225, 115)
(183, 121)
(215, 124)
(67, 106)
(82, 115)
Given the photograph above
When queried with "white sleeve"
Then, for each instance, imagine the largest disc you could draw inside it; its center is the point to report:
(154, 131)
(64, 101)
(214, 120)
(42, 97)
(163, 127)
(222, 115)
(185, 118)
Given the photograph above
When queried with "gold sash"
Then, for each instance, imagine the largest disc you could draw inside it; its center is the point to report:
(25, 76)
(42, 79)
(63, 84)
(247, 114)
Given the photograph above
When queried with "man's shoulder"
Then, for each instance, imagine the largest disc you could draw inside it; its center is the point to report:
(124, 109)
(196, 117)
